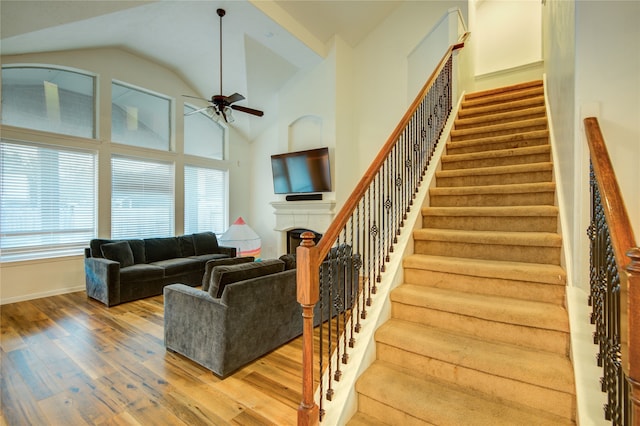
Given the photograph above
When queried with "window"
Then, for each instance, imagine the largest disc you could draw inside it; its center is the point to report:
(205, 203)
(203, 136)
(142, 198)
(47, 200)
(140, 118)
(49, 99)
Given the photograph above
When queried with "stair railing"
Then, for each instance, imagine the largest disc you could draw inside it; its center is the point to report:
(337, 278)
(614, 286)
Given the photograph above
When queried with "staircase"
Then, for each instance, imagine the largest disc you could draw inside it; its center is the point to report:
(479, 333)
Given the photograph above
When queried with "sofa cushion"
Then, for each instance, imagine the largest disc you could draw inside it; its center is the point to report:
(177, 266)
(119, 252)
(140, 272)
(161, 249)
(205, 243)
(204, 258)
(186, 245)
(96, 246)
(289, 261)
(137, 247)
(208, 267)
(223, 275)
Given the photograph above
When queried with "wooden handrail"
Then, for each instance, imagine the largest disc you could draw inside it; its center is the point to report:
(310, 256)
(325, 243)
(622, 237)
(627, 258)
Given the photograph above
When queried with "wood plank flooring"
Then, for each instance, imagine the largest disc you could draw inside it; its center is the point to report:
(69, 360)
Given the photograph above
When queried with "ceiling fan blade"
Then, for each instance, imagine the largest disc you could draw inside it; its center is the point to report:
(234, 98)
(197, 97)
(196, 111)
(248, 110)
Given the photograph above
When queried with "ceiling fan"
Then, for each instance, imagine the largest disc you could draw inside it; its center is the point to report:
(223, 105)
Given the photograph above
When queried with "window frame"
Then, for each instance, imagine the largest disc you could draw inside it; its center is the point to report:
(171, 141)
(44, 251)
(225, 197)
(172, 179)
(95, 134)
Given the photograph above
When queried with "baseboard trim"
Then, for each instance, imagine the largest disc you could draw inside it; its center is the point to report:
(507, 71)
(33, 296)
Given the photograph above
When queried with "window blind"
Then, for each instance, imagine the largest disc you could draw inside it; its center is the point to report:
(142, 198)
(47, 200)
(205, 204)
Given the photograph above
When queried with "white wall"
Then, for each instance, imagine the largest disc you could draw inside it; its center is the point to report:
(359, 93)
(310, 93)
(507, 34)
(608, 80)
(35, 278)
(593, 68)
(381, 71)
(559, 48)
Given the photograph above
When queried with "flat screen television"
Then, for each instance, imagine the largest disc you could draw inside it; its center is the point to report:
(301, 172)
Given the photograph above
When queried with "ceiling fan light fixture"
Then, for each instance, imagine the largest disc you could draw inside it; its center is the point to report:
(228, 115)
(221, 106)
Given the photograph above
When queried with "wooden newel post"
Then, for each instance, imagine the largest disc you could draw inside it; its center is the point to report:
(308, 295)
(631, 365)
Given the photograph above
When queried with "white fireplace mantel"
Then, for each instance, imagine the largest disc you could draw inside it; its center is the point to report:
(315, 215)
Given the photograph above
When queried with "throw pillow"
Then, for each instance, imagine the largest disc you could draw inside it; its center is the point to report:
(208, 267)
(119, 252)
(223, 275)
(205, 243)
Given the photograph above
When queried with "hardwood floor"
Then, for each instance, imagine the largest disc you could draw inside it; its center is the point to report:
(69, 360)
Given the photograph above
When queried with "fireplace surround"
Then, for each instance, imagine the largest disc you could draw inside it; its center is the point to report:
(294, 238)
(314, 215)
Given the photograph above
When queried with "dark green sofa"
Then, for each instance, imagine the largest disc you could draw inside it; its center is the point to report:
(248, 310)
(119, 271)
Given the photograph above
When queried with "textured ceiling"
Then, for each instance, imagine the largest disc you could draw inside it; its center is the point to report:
(259, 54)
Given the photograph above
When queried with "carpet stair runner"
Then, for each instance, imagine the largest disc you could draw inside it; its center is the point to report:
(479, 332)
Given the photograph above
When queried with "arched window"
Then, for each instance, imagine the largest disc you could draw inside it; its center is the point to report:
(49, 99)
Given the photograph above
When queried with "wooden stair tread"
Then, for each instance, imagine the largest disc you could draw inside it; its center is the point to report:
(511, 115)
(496, 170)
(527, 313)
(547, 239)
(519, 125)
(488, 141)
(495, 108)
(436, 402)
(533, 272)
(504, 97)
(516, 188)
(481, 155)
(542, 368)
(520, 211)
(511, 88)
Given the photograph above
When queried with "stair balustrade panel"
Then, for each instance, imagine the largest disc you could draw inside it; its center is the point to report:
(614, 287)
(351, 256)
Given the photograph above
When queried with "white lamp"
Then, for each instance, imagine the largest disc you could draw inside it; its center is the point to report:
(243, 238)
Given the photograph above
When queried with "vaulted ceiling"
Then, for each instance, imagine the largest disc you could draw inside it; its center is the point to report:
(264, 42)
